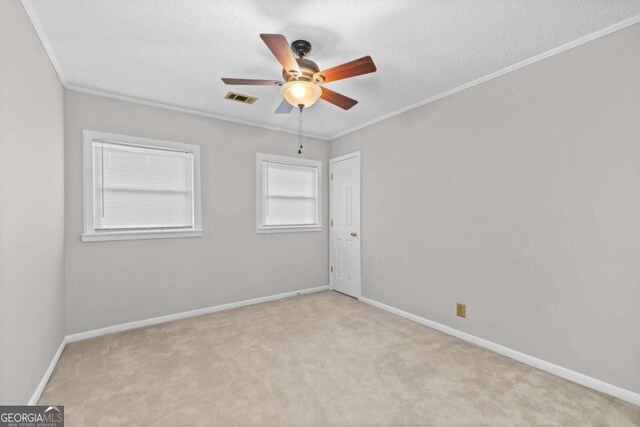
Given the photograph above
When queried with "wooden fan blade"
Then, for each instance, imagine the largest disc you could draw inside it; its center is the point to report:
(335, 98)
(279, 46)
(284, 107)
(253, 82)
(354, 68)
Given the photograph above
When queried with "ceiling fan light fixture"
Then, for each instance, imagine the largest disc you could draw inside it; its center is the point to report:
(298, 92)
(303, 76)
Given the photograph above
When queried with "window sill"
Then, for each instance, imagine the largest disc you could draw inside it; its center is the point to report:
(139, 235)
(301, 229)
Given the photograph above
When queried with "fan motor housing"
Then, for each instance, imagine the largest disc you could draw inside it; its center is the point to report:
(302, 48)
(308, 68)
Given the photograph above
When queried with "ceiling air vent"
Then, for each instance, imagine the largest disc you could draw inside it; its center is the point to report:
(245, 99)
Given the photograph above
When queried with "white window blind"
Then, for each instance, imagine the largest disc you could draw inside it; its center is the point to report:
(288, 194)
(141, 187)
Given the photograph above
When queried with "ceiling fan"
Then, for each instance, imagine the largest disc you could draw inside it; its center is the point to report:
(303, 78)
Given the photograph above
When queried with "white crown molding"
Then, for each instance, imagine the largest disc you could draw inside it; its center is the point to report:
(147, 103)
(559, 371)
(590, 37)
(48, 48)
(44, 40)
(46, 43)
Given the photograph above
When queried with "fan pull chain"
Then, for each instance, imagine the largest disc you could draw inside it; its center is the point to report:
(300, 106)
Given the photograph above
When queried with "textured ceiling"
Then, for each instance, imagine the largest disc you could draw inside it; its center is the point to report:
(174, 52)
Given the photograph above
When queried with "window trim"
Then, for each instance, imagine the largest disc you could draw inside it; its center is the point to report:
(88, 200)
(293, 161)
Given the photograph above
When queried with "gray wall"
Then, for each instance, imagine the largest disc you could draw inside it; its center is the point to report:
(521, 198)
(114, 282)
(31, 207)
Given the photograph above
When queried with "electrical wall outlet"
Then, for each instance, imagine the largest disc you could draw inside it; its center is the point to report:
(461, 310)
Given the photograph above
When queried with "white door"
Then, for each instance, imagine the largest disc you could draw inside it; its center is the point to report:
(344, 223)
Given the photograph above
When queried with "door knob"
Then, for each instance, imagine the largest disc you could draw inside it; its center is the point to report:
(354, 234)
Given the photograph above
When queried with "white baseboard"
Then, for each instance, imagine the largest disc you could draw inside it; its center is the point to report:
(559, 371)
(543, 365)
(168, 318)
(45, 379)
(153, 321)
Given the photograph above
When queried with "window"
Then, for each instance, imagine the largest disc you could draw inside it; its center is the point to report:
(288, 194)
(139, 188)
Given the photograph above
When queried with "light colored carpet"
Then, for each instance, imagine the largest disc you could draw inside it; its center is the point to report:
(313, 360)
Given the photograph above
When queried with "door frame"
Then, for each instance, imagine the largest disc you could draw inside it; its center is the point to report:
(357, 155)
